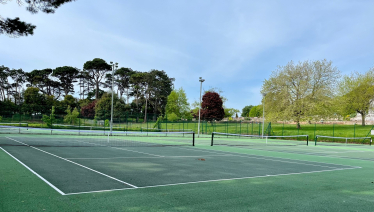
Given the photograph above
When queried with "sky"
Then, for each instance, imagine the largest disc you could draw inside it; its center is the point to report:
(233, 44)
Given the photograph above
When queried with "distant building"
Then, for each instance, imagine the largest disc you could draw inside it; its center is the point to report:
(369, 118)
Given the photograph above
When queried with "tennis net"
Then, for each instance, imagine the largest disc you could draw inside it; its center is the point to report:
(338, 141)
(248, 140)
(165, 130)
(20, 136)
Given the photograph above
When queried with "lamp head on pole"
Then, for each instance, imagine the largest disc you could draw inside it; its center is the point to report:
(264, 94)
(201, 79)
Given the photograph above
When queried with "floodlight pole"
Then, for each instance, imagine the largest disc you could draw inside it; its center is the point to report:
(201, 80)
(114, 65)
(263, 113)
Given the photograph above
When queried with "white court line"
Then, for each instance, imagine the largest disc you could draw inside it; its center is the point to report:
(121, 149)
(32, 171)
(75, 163)
(197, 156)
(266, 157)
(305, 153)
(206, 181)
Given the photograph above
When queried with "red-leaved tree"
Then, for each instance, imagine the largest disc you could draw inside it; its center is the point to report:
(212, 107)
(88, 111)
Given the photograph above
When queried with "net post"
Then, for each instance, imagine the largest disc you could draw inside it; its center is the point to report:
(193, 138)
(315, 140)
(371, 141)
(211, 142)
(307, 140)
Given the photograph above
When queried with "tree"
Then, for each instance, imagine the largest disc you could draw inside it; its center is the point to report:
(95, 71)
(103, 106)
(212, 107)
(138, 83)
(230, 112)
(18, 76)
(177, 103)
(121, 80)
(256, 111)
(246, 109)
(16, 28)
(88, 111)
(356, 94)
(4, 83)
(42, 80)
(67, 76)
(33, 101)
(71, 116)
(301, 92)
(160, 86)
(49, 120)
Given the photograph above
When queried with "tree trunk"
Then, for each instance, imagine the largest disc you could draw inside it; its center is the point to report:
(97, 91)
(363, 118)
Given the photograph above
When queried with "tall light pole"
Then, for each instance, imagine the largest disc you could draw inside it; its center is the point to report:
(263, 113)
(201, 80)
(114, 66)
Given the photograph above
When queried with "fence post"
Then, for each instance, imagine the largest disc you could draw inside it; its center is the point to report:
(333, 132)
(354, 130)
(283, 129)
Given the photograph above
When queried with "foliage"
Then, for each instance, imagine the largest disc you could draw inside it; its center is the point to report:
(212, 107)
(256, 111)
(67, 75)
(71, 116)
(1, 118)
(8, 108)
(301, 92)
(88, 111)
(230, 112)
(33, 101)
(103, 106)
(177, 103)
(16, 28)
(356, 94)
(107, 123)
(49, 120)
(172, 117)
(246, 109)
(42, 80)
(95, 71)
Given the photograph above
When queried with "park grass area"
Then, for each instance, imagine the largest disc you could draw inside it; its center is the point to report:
(251, 178)
(247, 128)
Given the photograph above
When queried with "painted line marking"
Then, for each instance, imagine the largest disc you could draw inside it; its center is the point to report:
(75, 163)
(32, 171)
(150, 157)
(269, 158)
(121, 149)
(306, 153)
(206, 181)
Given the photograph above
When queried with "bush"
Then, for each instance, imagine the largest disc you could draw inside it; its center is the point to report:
(107, 123)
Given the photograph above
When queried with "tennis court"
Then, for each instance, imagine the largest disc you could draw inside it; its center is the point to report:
(77, 164)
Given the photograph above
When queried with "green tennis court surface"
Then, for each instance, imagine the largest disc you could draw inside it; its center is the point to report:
(47, 172)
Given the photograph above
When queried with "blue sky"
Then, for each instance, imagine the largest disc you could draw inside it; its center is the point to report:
(233, 44)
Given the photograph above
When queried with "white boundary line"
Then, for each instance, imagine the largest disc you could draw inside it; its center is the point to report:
(206, 181)
(268, 158)
(76, 163)
(196, 156)
(32, 171)
(306, 153)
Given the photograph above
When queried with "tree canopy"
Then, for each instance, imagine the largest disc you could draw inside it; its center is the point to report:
(301, 91)
(177, 103)
(356, 94)
(212, 107)
(16, 28)
(245, 110)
